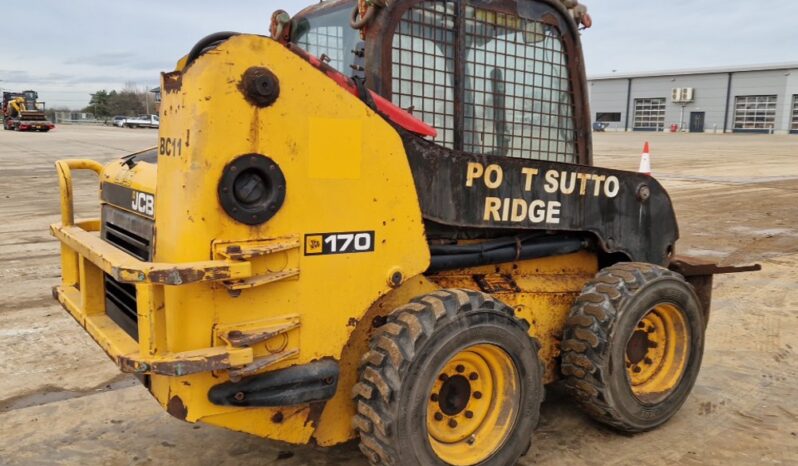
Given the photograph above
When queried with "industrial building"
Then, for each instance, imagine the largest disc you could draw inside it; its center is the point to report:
(750, 99)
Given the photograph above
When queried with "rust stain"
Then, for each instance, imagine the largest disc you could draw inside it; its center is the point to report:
(176, 368)
(314, 413)
(187, 367)
(176, 408)
(178, 276)
(172, 82)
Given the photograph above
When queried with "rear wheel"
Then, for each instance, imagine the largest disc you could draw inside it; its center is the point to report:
(646, 321)
(452, 378)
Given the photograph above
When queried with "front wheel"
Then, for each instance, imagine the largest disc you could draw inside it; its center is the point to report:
(452, 379)
(633, 345)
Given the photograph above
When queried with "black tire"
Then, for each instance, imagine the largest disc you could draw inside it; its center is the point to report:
(601, 323)
(405, 357)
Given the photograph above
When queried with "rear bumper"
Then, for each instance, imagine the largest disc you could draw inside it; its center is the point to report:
(700, 274)
(86, 259)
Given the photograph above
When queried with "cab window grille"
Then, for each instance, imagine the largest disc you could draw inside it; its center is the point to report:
(794, 126)
(325, 34)
(515, 98)
(423, 66)
(518, 95)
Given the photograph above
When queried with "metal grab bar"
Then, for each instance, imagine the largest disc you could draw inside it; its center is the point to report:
(64, 169)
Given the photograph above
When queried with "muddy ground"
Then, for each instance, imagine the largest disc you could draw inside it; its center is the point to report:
(63, 402)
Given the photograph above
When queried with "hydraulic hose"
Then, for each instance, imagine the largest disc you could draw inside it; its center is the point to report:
(532, 250)
(206, 43)
(456, 249)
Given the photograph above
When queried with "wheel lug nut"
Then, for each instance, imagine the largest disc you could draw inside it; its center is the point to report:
(434, 397)
(438, 416)
(460, 368)
(471, 440)
(647, 361)
(443, 377)
(452, 423)
(469, 414)
(473, 376)
(641, 325)
(478, 395)
(636, 370)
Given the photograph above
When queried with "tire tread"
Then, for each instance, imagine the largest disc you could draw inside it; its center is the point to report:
(392, 351)
(587, 335)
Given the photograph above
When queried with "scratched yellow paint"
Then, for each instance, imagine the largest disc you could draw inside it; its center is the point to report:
(317, 133)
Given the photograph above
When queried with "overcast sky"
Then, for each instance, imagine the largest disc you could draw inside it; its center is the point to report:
(68, 49)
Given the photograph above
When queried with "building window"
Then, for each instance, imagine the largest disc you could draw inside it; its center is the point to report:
(755, 113)
(794, 126)
(423, 66)
(518, 92)
(608, 117)
(650, 114)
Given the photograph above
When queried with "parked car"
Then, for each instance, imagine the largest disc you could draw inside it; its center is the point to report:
(143, 121)
(119, 121)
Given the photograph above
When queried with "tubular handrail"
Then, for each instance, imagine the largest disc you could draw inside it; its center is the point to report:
(64, 169)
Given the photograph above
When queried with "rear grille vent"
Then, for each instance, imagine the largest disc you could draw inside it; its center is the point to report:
(120, 305)
(134, 235)
(129, 232)
(127, 241)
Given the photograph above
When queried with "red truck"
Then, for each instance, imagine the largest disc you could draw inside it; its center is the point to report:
(22, 112)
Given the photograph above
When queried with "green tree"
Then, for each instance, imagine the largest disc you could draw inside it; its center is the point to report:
(127, 103)
(99, 104)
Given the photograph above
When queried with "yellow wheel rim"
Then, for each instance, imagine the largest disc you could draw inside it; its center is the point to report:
(473, 405)
(657, 353)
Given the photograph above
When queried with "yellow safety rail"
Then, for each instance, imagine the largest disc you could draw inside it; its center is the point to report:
(85, 257)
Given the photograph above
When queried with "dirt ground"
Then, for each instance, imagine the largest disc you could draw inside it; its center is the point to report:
(63, 402)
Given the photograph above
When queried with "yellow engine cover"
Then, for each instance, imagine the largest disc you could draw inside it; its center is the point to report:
(345, 171)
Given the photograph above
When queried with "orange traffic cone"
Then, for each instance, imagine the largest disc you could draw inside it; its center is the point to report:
(645, 161)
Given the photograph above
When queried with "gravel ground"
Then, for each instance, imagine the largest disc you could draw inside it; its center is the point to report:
(63, 402)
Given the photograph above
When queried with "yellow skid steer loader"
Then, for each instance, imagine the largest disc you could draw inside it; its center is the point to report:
(383, 222)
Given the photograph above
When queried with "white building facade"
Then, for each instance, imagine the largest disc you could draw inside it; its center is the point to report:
(754, 99)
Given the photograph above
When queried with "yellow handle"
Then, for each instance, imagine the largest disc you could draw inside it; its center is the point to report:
(64, 168)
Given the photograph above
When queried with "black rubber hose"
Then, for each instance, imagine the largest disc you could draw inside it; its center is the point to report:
(456, 249)
(207, 42)
(538, 249)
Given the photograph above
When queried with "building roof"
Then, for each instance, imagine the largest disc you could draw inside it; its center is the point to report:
(694, 71)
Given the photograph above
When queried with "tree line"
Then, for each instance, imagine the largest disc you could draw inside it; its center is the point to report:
(129, 102)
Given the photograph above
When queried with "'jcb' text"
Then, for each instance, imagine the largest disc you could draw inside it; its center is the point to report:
(143, 203)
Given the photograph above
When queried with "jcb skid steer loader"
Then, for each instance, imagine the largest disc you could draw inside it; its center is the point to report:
(383, 222)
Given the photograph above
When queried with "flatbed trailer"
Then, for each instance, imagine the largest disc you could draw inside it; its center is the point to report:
(22, 112)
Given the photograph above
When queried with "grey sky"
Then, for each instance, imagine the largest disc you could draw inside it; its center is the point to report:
(67, 49)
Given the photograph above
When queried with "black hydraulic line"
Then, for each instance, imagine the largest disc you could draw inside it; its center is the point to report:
(538, 249)
(207, 42)
(457, 249)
